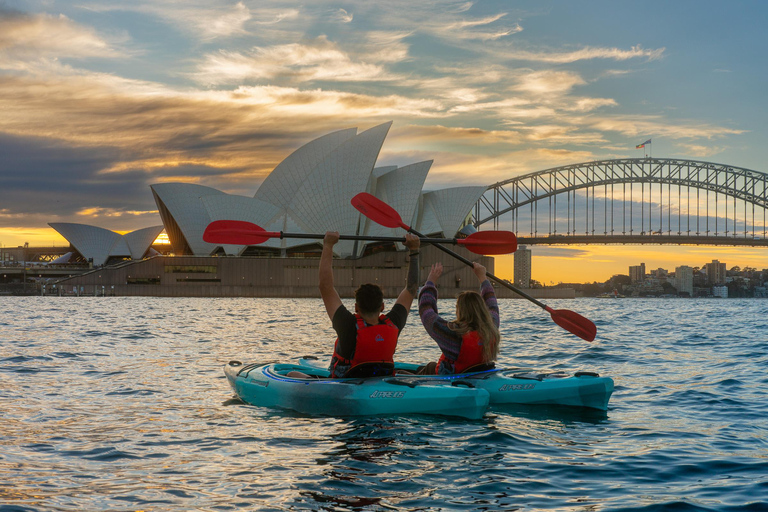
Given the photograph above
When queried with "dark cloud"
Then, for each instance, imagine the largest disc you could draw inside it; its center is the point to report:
(39, 177)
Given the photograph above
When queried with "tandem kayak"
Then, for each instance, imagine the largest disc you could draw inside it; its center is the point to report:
(268, 385)
(518, 385)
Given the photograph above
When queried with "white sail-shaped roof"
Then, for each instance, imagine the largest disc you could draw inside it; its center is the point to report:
(323, 202)
(445, 210)
(141, 240)
(90, 241)
(184, 216)
(285, 180)
(100, 244)
(400, 188)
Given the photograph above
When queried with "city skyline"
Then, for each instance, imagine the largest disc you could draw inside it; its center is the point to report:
(102, 99)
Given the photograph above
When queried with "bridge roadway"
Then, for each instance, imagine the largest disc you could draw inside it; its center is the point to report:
(655, 239)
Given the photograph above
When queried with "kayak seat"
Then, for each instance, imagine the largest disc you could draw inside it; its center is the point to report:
(370, 370)
(482, 367)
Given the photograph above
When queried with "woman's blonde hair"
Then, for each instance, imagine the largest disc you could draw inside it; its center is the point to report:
(473, 315)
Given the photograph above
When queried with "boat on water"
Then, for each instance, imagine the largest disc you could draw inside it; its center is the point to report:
(309, 390)
(515, 385)
(306, 387)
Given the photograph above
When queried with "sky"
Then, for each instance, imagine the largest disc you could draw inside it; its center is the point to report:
(100, 99)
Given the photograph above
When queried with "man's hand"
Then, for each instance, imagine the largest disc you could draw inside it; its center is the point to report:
(331, 237)
(412, 242)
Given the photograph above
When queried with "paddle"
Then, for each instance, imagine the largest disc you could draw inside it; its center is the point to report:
(381, 213)
(238, 232)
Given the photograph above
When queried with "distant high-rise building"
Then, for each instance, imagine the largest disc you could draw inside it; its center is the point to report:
(523, 267)
(715, 273)
(637, 273)
(684, 280)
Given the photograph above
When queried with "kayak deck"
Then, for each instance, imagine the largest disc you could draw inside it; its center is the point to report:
(517, 385)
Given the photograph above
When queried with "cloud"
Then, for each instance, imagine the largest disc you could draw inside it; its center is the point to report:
(205, 20)
(275, 16)
(431, 134)
(639, 125)
(561, 134)
(25, 37)
(465, 28)
(548, 251)
(319, 61)
(228, 22)
(97, 212)
(549, 82)
(700, 151)
(587, 53)
(452, 167)
(463, 7)
(476, 22)
(344, 16)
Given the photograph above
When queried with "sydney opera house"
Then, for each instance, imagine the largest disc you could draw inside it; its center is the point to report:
(308, 192)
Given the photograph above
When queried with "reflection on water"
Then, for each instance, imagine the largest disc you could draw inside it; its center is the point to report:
(121, 404)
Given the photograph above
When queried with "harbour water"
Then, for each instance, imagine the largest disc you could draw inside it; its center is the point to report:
(120, 403)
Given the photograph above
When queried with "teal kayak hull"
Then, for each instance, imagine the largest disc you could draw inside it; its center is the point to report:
(269, 385)
(521, 385)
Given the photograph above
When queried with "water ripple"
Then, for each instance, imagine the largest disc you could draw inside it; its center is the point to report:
(121, 404)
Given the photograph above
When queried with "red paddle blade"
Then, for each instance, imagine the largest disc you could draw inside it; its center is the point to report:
(490, 242)
(378, 211)
(582, 327)
(236, 232)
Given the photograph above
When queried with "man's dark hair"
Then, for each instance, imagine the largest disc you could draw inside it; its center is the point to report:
(369, 298)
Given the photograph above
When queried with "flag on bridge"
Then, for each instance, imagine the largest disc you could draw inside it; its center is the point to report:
(643, 144)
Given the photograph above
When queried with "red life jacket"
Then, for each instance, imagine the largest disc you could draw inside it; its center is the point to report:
(374, 344)
(470, 354)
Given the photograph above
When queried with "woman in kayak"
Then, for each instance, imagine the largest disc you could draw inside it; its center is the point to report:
(471, 342)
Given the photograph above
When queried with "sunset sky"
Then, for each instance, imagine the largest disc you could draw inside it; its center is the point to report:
(100, 99)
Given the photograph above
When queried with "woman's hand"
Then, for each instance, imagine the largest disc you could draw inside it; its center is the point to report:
(435, 272)
(479, 271)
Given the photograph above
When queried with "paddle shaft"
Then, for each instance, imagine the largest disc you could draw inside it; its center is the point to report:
(280, 234)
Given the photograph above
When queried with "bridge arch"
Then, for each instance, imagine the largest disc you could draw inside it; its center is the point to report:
(590, 189)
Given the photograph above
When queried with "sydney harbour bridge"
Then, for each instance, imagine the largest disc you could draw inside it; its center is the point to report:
(631, 201)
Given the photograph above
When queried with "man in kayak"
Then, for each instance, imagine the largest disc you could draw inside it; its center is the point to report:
(366, 338)
(471, 342)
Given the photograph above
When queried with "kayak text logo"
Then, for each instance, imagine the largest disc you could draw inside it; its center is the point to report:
(387, 394)
(516, 387)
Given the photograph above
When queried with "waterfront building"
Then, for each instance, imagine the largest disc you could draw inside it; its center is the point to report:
(715, 273)
(684, 280)
(637, 273)
(720, 291)
(523, 267)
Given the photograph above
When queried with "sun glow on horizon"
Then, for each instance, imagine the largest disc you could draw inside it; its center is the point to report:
(600, 262)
